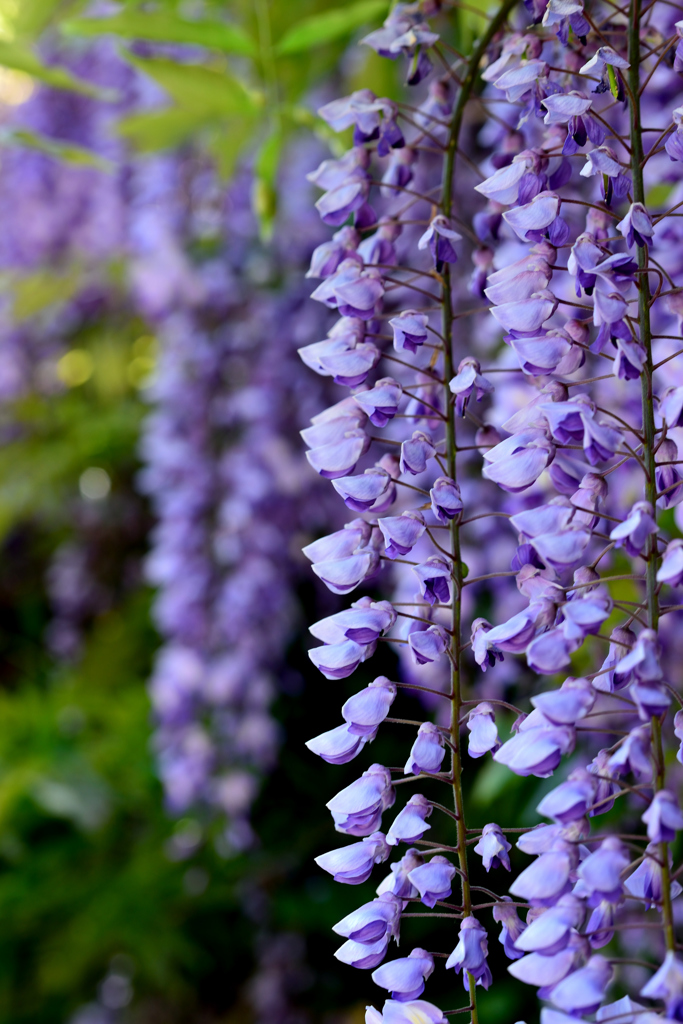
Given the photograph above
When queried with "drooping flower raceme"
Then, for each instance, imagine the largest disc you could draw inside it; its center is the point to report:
(508, 446)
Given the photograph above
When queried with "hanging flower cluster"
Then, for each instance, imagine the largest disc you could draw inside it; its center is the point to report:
(508, 445)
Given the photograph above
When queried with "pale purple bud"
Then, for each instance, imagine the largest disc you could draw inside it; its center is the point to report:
(547, 969)
(353, 864)
(552, 352)
(671, 407)
(351, 366)
(551, 518)
(338, 746)
(434, 578)
(570, 800)
(642, 663)
(340, 544)
(336, 205)
(582, 991)
(630, 361)
(566, 706)
(600, 927)
(381, 402)
(369, 707)
(562, 107)
(633, 533)
(667, 984)
(564, 549)
(363, 955)
(652, 699)
(600, 873)
(410, 330)
(440, 236)
(332, 431)
(337, 661)
(636, 226)
(416, 452)
(534, 217)
(332, 173)
(526, 314)
(481, 723)
(363, 623)
(633, 755)
(512, 927)
(427, 751)
(550, 652)
(398, 880)
(433, 880)
(646, 881)
(503, 185)
(467, 382)
(519, 80)
(401, 533)
(518, 461)
(548, 878)
(341, 575)
(622, 642)
(405, 978)
(667, 476)
(493, 848)
(416, 1011)
(469, 956)
(375, 487)
(428, 644)
(663, 818)
(537, 748)
(340, 458)
(549, 932)
(607, 787)
(373, 921)
(410, 825)
(327, 257)
(446, 500)
(625, 1009)
(604, 55)
(399, 171)
(542, 838)
(678, 732)
(357, 809)
(671, 569)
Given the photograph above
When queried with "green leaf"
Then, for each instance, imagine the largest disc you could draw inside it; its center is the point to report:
(158, 129)
(227, 144)
(264, 194)
(29, 20)
(330, 25)
(196, 87)
(167, 27)
(35, 292)
(63, 151)
(21, 58)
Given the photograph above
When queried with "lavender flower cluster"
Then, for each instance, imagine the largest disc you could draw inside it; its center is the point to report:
(493, 460)
(227, 489)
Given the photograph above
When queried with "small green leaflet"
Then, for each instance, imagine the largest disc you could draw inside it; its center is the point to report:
(167, 27)
(330, 25)
(204, 90)
(21, 58)
(33, 293)
(64, 151)
(158, 129)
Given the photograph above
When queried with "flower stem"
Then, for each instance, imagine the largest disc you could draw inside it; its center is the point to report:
(464, 95)
(649, 433)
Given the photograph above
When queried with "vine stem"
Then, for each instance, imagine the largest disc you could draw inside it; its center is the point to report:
(649, 433)
(466, 89)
